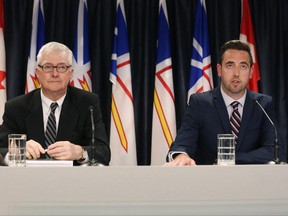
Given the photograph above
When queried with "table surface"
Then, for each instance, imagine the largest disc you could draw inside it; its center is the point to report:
(145, 190)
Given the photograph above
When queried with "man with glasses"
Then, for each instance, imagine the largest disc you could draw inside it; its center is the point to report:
(56, 117)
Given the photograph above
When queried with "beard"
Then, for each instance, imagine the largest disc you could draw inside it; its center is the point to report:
(235, 88)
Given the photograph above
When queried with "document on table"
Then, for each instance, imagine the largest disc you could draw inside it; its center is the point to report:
(49, 163)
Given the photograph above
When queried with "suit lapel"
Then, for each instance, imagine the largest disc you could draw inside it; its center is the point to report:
(34, 120)
(222, 110)
(246, 117)
(68, 118)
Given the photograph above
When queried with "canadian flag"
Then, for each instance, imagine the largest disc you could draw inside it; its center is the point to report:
(247, 36)
(3, 97)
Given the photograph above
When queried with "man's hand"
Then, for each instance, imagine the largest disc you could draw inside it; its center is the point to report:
(33, 149)
(181, 160)
(64, 150)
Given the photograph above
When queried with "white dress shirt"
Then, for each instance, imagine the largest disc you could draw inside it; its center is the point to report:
(46, 102)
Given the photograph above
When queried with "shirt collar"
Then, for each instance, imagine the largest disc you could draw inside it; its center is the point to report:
(47, 102)
(228, 100)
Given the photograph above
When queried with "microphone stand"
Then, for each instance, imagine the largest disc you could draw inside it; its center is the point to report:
(276, 141)
(93, 161)
(276, 150)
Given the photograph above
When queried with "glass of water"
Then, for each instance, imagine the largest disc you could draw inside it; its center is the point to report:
(226, 149)
(17, 150)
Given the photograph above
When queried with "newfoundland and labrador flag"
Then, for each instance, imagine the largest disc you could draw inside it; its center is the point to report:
(81, 58)
(122, 129)
(164, 117)
(201, 70)
(36, 42)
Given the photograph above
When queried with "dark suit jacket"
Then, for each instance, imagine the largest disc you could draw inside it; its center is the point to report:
(24, 114)
(207, 116)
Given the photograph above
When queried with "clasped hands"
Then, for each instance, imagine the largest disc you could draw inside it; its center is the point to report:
(61, 150)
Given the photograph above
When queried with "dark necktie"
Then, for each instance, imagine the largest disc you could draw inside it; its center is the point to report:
(235, 120)
(50, 133)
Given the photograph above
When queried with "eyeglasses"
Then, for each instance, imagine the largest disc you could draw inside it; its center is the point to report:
(48, 68)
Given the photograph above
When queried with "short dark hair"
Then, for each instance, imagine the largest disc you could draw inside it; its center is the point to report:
(235, 45)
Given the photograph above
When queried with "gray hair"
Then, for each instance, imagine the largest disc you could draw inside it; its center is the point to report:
(54, 47)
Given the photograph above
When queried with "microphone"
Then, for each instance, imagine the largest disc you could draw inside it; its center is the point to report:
(276, 141)
(93, 161)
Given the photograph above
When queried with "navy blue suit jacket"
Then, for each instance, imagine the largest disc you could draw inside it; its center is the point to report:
(207, 116)
(24, 114)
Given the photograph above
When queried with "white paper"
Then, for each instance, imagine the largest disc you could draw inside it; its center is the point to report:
(49, 163)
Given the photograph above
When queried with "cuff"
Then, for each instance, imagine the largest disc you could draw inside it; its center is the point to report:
(172, 155)
(85, 157)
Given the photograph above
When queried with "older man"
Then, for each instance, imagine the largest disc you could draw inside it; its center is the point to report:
(56, 117)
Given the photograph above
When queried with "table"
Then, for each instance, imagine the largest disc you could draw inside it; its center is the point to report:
(145, 190)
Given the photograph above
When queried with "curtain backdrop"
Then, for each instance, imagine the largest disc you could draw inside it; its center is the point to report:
(270, 20)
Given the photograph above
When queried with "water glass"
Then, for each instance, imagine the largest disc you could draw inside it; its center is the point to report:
(226, 149)
(17, 150)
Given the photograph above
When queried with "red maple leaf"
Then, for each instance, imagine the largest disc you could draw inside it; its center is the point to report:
(2, 77)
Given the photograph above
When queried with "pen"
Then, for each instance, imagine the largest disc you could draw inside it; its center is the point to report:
(46, 154)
